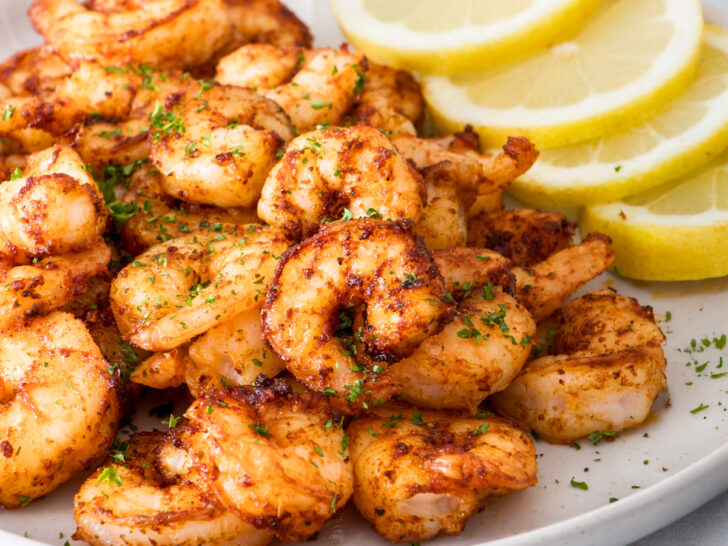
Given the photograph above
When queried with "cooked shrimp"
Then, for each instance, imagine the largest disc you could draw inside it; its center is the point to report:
(382, 264)
(391, 100)
(605, 370)
(90, 89)
(230, 354)
(477, 354)
(524, 236)
(157, 221)
(30, 290)
(33, 71)
(259, 66)
(467, 269)
(546, 285)
(58, 406)
(127, 501)
(273, 457)
(216, 144)
(323, 90)
(443, 220)
(265, 21)
(486, 175)
(48, 214)
(182, 288)
(420, 474)
(160, 33)
(103, 143)
(325, 171)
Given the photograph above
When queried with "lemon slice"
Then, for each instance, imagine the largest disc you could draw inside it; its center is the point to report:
(432, 36)
(691, 130)
(631, 58)
(677, 231)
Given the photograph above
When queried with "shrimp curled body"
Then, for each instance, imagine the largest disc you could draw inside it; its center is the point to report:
(346, 264)
(137, 506)
(606, 368)
(182, 288)
(159, 33)
(324, 171)
(418, 475)
(58, 406)
(267, 453)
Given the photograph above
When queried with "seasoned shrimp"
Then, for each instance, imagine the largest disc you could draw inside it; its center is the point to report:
(324, 171)
(546, 285)
(420, 474)
(486, 175)
(259, 66)
(323, 90)
(443, 222)
(482, 349)
(230, 354)
(265, 21)
(128, 502)
(159, 33)
(605, 370)
(90, 89)
(215, 144)
(33, 71)
(391, 100)
(58, 406)
(103, 143)
(275, 458)
(204, 279)
(48, 214)
(382, 264)
(524, 236)
(30, 290)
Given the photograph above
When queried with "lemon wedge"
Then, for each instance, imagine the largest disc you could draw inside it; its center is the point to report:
(691, 130)
(676, 231)
(432, 36)
(631, 58)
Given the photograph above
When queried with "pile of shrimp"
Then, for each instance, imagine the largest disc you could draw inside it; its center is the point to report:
(197, 199)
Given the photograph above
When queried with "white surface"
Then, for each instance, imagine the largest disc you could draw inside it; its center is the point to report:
(687, 454)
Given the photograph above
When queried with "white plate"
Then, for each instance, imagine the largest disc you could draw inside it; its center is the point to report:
(686, 454)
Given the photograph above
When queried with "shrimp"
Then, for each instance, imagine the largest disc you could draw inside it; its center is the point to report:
(546, 285)
(90, 89)
(443, 222)
(103, 143)
(182, 288)
(324, 171)
(477, 354)
(420, 474)
(323, 90)
(160, 33)
(230, 354)
(605, 370)
(54, 209)
(259, 66)
(58, 406)
(487, 176)
(215, 144)
(382, 264)
(30, 290)
(275, 458)
(525, 236)
(265, 21)
(391, 100)
(127, 501)
(33, 71)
